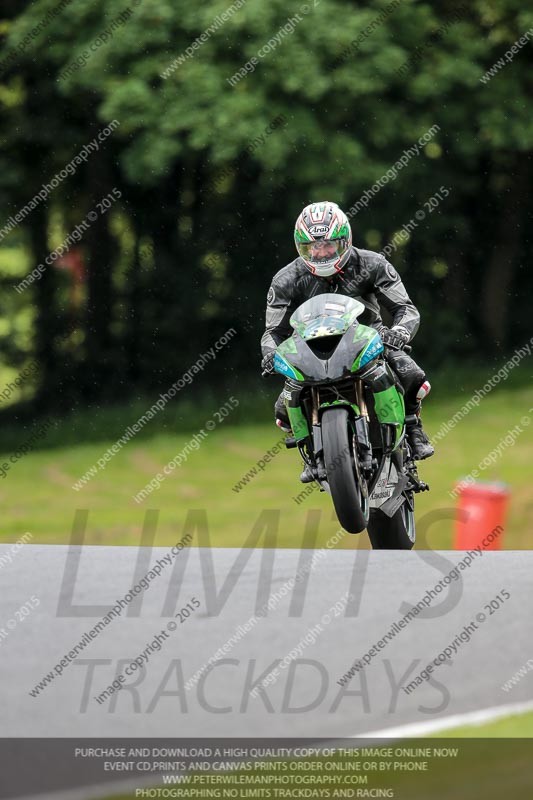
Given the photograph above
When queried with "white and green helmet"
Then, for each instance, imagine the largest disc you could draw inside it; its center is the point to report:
(323, 238)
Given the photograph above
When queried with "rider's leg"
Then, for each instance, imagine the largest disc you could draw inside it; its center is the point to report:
(416, 387)
(282, 419)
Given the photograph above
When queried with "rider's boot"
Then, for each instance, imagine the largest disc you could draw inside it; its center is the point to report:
(281, 415)
(284, 425)
(421, 447)
(306, 475)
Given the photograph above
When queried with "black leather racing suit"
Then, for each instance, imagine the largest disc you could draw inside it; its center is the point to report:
(369, 278)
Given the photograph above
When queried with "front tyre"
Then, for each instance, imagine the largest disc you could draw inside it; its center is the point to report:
(392, 533)
(348, 489)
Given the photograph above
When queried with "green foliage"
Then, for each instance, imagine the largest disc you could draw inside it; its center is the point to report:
(214, 196)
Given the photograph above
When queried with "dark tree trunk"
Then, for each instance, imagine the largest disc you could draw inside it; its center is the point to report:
(99, 359)
(502, 263)
(47, 322)
(134, 322)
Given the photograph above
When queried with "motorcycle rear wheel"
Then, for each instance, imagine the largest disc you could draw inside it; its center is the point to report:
(392, 533)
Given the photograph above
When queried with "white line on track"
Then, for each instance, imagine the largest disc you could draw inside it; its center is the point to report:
(480, 717)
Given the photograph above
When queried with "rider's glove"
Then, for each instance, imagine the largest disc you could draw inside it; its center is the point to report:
(267, 365)
(396, 338)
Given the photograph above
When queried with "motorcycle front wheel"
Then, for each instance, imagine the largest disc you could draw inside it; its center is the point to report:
(348, 489)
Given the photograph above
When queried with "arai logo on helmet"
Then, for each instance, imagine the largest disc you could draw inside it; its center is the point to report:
(318, 230)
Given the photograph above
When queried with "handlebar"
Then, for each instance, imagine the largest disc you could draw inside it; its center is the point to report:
(406, 348)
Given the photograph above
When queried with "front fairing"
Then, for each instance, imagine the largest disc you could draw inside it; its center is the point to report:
(311, 368)
(328, 343)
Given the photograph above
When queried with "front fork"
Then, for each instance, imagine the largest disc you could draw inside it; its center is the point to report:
(389, 408)
(311, 440)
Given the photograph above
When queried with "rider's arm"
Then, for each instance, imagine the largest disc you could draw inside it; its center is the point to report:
(278, 313)
(391, 293)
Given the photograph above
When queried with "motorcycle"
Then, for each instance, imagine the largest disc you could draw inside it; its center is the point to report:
(347, 415)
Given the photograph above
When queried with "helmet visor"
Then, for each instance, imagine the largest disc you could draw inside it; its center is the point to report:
(322, 252)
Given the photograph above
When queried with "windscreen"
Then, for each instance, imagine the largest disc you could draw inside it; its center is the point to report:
(326, 315)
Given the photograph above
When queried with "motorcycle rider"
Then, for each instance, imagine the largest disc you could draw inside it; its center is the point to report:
(327, 262)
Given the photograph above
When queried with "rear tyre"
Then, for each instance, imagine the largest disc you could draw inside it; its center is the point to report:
(392, 533)
(348, 491)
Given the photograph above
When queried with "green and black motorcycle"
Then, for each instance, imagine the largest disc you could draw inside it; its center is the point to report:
(347, 415)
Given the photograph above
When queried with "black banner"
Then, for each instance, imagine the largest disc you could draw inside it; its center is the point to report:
(417, 769)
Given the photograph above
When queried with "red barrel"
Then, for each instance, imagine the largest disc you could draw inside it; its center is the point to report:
(480, 520)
